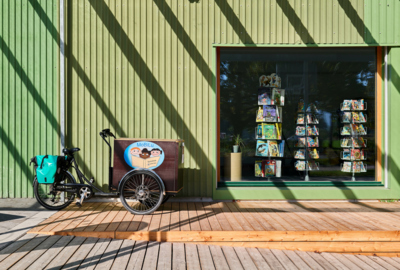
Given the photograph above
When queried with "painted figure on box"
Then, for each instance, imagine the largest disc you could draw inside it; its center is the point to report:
(144, 154)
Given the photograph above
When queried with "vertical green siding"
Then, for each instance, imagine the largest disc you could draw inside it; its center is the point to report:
(29, 90)
(144, 68)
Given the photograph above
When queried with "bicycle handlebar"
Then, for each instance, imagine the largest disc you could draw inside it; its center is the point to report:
(106, 132)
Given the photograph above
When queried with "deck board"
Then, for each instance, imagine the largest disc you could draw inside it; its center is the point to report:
(358, 228)
(68, 252)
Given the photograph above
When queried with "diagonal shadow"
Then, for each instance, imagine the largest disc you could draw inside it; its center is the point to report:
(148, 79)
(296, 22)
(357, 22)
(28, 84)
(234, 21)
(184, 38)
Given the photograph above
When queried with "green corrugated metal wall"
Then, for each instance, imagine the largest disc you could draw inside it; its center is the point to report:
(144, 68)
(29, 90)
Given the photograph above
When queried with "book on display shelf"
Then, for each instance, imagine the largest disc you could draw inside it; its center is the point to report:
(354, 115)
(269, 128)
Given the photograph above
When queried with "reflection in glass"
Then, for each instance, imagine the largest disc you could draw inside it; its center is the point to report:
(322, 76)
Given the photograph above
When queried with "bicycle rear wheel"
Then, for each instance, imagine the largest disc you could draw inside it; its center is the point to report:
(141, 192)
(51, 199)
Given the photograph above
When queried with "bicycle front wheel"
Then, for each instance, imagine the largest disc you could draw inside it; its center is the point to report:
(53, 199)
(141, 192)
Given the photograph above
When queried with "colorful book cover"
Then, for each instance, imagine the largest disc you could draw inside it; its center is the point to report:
(312, 131)
(361, 104)
(300, 154)
(300, 165)
(269, 131)
(346, 117)
(356, 117)
(264, 96)
(282, 148)
(300, 119)
(313, 153)
(346, 142)
(269, 113)
(300, 131)
(362, 142)
(278, 96)
(278, 129)
(355, 154)
(346, 166)
(312, 119)
(312, 142)
(361, 117)
(362, 167)
(269, 168)
(259, 117)
(362, 155)
(346, 130)
(273, 148)
(258, 169)
(262, 148)
(354, 105)
(346, 154)
(259, 131)
(346, 106)
(355, 142)
(301, 142)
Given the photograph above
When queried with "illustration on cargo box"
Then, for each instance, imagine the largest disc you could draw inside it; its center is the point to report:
(144, 154)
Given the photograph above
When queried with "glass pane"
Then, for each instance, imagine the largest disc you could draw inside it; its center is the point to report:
(325, 77)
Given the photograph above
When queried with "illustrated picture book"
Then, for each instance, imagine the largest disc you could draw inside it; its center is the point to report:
(260, 117)
(269, 167)
(273, 148)
(346, 130)
(269, 113)
(312, 131)
(346, 105)
(269, 131)
(346, 117)
(312, 142)
(313, 153)
(278, 96)
(300, 154)
(300, 131)
(347, 166)
(258, 169)
(301, 142)
(300, 118)
(265, 96)
(262, 148)
(300, 165)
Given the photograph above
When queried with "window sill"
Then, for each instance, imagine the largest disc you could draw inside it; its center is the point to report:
(300, 184)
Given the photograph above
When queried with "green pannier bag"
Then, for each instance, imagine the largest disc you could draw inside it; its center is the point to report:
(47, 168)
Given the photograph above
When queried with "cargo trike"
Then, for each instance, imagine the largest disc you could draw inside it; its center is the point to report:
(145, 175)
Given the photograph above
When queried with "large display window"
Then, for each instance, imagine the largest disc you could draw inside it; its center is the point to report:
(304, 114)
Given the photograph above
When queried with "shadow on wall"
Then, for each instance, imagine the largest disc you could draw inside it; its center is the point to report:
(170, 113)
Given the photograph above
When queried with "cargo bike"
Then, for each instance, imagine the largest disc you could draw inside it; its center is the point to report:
(145, 174)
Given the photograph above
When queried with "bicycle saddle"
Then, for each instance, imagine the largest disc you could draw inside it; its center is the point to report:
(70, 151)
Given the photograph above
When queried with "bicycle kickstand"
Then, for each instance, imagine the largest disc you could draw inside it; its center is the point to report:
(83, 195)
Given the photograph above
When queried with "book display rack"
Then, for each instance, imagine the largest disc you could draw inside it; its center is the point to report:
(268, 132)
(307, 143)
(353, 117)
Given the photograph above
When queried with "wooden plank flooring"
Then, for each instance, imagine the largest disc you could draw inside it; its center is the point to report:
(343, 227)
(68, 252)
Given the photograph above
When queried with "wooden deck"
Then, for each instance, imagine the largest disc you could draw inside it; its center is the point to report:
(34, 251)
(356, 228)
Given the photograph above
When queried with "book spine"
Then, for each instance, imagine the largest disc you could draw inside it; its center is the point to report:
(278, 168)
